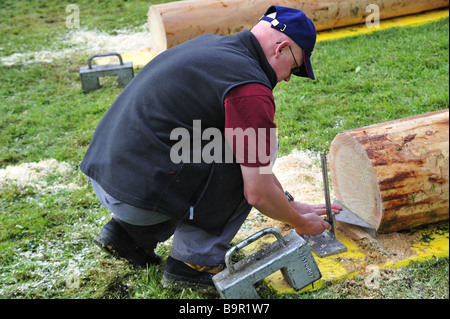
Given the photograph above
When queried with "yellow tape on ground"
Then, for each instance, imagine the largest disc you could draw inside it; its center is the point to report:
(139, 58)
(432, 242)
(406, 21)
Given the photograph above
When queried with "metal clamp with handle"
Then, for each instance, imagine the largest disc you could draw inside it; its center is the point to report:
(103, 55)
(90, 74)
(289, 254)
(250, 240)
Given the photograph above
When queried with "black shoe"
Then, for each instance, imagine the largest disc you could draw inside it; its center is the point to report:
(114, 240)
(179, 274)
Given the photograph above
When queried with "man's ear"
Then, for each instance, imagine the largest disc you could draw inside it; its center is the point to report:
(279, 48)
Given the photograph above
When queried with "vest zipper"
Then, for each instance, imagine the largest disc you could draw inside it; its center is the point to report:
(205, 187)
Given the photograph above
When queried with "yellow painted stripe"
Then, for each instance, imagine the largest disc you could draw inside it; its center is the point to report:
(139, 58)
(349, 263)
(406, 21)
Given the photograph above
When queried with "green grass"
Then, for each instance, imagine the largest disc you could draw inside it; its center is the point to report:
(46, 234)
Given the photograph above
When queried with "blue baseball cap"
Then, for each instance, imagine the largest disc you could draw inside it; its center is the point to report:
(296, 25)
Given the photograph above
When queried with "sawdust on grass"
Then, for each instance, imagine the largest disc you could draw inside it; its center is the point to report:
(80, 41)
(35, 175)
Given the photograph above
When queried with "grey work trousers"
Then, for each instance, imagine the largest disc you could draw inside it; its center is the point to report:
(190, 244)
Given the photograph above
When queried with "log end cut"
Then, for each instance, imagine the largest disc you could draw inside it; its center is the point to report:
(157, 29)
(353, 179)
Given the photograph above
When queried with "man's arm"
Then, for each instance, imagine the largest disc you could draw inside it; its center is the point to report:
(264, 192)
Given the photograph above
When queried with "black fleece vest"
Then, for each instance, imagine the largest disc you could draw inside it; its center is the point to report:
(129, 155)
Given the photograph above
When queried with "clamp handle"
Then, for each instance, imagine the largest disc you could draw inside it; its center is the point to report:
(102, 55)
(250, 240)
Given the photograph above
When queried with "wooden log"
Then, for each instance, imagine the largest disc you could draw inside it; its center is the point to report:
(394, 175)
(176, 22)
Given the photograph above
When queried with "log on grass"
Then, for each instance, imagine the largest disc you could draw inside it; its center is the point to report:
(394, 175)
(176, 22)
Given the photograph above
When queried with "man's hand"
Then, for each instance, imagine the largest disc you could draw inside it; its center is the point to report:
(315, 209)
(312, 225)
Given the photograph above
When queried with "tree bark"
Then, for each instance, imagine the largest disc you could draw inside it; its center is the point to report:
(394, 175)
(176, 22)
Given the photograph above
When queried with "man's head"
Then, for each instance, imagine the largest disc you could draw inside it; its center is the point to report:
(287, 36)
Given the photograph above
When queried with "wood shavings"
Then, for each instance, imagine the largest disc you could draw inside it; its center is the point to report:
(300, 173)
(34, 174)
(86, 42)
(390, 247)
